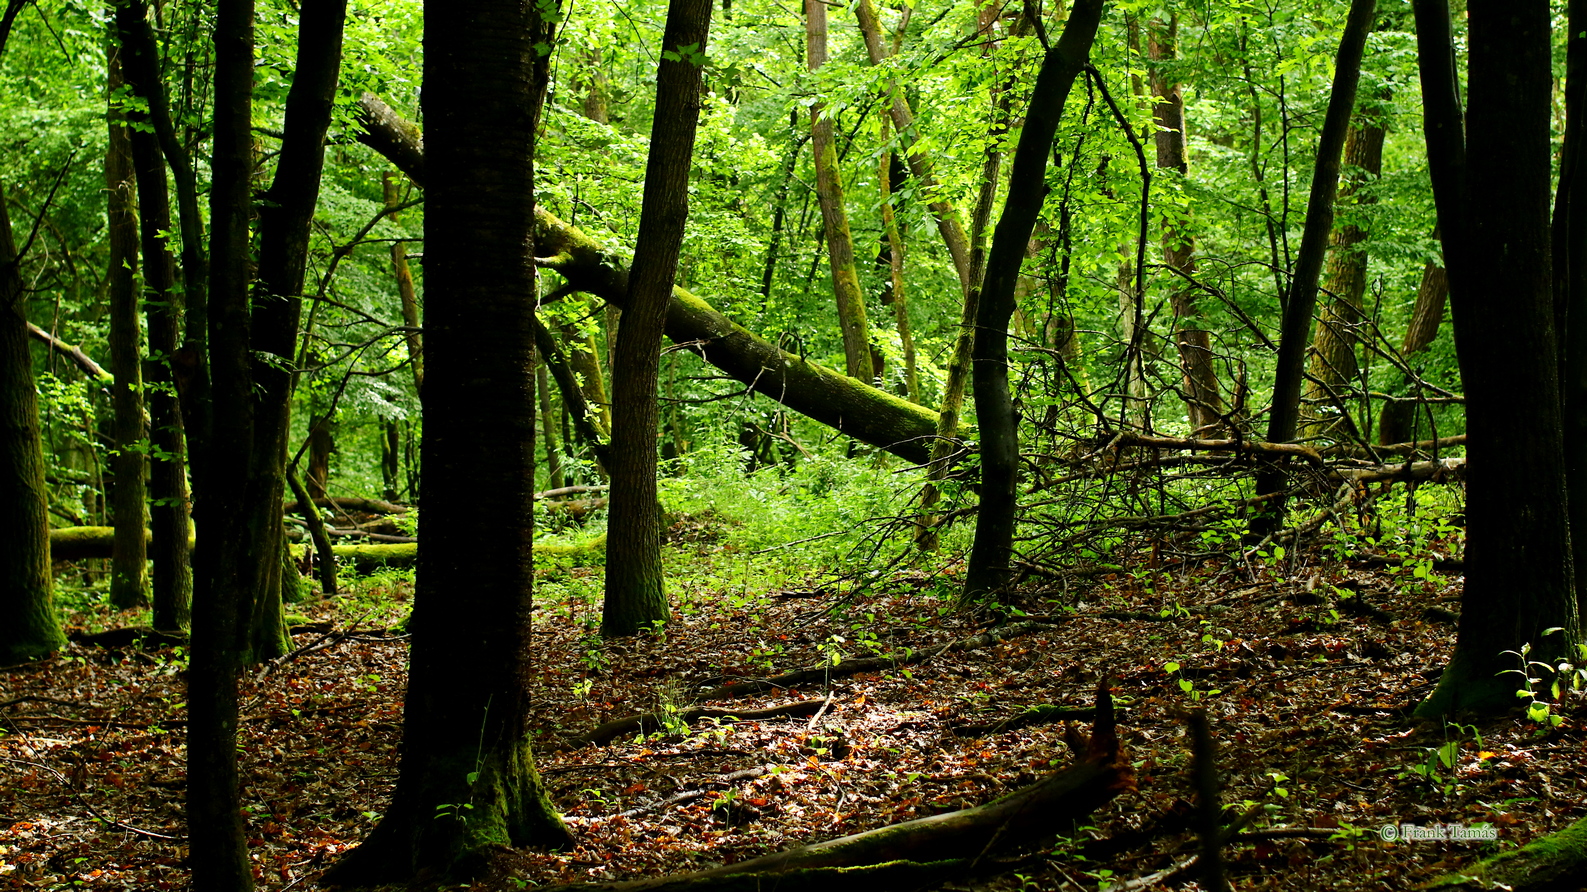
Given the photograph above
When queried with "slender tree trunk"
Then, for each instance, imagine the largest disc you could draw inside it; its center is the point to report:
(127, 565)
(1333, 362)
(896, 295)
(834, 216)
(29, 627)
(919, 162)
(467, 781)
(584, 357)
(548, 427)
(168, 496)
(391, 459)
(1519, 579)
(990, 556)
(325, 556)
(1398, 423)
(1203, 403)
(1570, 288)
(1295, 328)
(322, 442)
(226, 561)
(636, 598)
(405, 292)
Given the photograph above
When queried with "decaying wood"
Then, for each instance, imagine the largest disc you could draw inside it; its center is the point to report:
(656, 721)
(1554, 863)
(926, 851)
(350, 503)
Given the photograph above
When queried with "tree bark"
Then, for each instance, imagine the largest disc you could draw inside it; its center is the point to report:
(1570, 287)
(584, 358)
(323, 552)
(1398, 421)
(1203, 402)
(227, 564)
(896, 294)
(27, 596)
(548, 427)
(1519, 578)
(127, 566)
(405, 292)
(834, 216)
(1333, 362)
(636, 598)
(322, 442)
(853, 407)
(987, 573)
(467, 780)
(1295, 327)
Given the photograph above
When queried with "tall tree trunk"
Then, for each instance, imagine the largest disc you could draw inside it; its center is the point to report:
(226, 562)
(168, 495)
(834, 216)
(29, 627)
(467, 781)
(636, 598)
(391, 459)
(1333, 363)
(1519, 579)
(1398, 423)
(990, 556)
(920, 165)
(548, 427)
(411, 319)
(1203, 403)
(1570, 289)
(127, 564)
(895, 293)
(322, 442)
(1295, 327)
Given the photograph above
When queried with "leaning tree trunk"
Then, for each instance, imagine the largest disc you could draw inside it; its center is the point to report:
(1519, 580)
(226, 563)
(28, 624)
(467, 782)
(636, 597)
(834, 216)
(1295, 327)
(127, 588)
(1333, 363)
(853, 407)
(990, 556)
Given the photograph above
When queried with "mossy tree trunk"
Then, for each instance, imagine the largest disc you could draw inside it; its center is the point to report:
(467, 781)
(834, 215)
(127, 567)
(1519, 579)
(636, 597)
(28, 624)
(990, 556)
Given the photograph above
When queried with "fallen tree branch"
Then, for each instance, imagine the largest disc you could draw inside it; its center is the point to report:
(351, 503)
(1035, 715)
(74, 353)
(645, 723)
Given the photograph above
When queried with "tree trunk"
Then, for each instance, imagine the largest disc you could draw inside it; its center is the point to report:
(1570, 288)
(1398, 422)
(168, 495)
(323, 551)
(895, 293)
(919, 163)
(1333, 362)
(27, 599)
(1203, 403)
(405, 293)
(1295, 328)
(987, 573)
(227, 562)
(636, 598)
(548, 427)
(322, 442)
(852, 407)
(127, 589)
(834, 216)
(1519, 580)
(467, 781)
(584, 358)
(390, 459)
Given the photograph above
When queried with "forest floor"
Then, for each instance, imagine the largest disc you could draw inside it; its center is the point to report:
(1305, 666)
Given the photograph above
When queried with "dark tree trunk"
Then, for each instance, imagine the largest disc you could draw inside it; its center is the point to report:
(127, 589)
(1570, 288)
(322, 442)
(988, 570)
(834, 215)
(636, 598)
(168, 496)
(391, 459)
(1333, 362)
(467, 781)
(1400, 422)
(1519, 580)
(226, 562)
(324, 555)
(1295, 328)
(28, 624)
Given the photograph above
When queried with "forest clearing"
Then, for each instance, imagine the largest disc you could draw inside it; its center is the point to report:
(695, 445)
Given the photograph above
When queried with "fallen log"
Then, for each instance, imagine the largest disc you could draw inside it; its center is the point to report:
(1034, 715)
(350, 503)
(1554, 863)
(927, 850)
(656, 721)
(853, 407)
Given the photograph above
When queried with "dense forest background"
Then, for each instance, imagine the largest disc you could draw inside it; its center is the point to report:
(982, 321)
